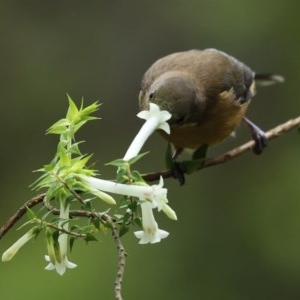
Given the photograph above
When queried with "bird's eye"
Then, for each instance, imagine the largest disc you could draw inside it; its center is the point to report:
(151, 96)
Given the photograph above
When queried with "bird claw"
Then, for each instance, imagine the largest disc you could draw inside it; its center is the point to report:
(258, 136)
(261, 141)
(178, 172)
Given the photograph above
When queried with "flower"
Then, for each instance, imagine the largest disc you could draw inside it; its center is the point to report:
(150, 233)
(159, 200)
(12, 251)
(155, 193)
(154, 196)
(57, 257)
(155, 119)
(59, 266)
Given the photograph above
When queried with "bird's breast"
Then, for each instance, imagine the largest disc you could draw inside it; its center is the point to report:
(218, 121)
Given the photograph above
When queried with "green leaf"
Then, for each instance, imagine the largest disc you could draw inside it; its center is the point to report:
(136, 158)
(133, 206)
(191, 166)
(96, 222)
(25, 224)
(137, 177)
(117, 163)
(72, 111)
(198, 160)
(63, 155)
(30, 213)
(123, 230)
(90, 238)
(77, 164)
(74, 149)
(85, 112)
(79, 125)
(127, 217)
(108, 224)
(36, 231)
(200, 153)
(138, 222)
(71, 242)
(124, 201)
(122, 175)
(87, 206)
(169, 157)
(59, 127)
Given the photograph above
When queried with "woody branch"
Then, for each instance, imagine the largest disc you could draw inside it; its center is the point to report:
(234, 153)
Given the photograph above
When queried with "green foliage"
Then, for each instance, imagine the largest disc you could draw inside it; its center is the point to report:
(190, 166)
(61, 177)
(124, 173)
(62, 180)
(197, 161)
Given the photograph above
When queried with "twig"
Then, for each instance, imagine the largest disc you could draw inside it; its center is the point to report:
(39, 199)
(121, 261)
(76, 196)
(19, 214)
(271, 134)
(61, 229)
(234, 153)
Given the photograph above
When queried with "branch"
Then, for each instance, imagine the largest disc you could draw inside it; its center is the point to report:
(121, 261)
(234, 153)
(19, 214)
(39, 199)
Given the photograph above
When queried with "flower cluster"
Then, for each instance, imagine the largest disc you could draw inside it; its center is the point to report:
(68, 180)
(151, 197)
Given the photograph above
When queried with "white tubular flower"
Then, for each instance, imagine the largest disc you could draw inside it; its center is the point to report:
(159, 200)
(150, 233)
(60, 262)
(12, 251)
(157, 194)
(155, 119)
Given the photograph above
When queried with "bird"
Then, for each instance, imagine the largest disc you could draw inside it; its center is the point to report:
(207, 93)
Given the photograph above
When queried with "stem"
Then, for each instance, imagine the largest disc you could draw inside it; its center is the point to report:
(121, 261)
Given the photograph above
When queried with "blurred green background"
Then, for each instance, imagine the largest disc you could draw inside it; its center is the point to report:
(238, 231)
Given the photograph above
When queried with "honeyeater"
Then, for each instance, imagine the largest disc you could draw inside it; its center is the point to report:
(207, 93)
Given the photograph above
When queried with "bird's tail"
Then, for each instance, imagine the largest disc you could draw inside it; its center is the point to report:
(265, 79)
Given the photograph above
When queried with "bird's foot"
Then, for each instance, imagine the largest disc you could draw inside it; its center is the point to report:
(178, 172)
(258, 136)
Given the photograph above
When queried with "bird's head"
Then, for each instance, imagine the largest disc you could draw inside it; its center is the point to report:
(175, 92)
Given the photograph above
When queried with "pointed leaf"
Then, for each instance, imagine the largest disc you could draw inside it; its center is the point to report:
(168, 157)
(136, 158)
(59, 127)
(71, 242)
(117, 162)
(191, 166)
(30, 213)
(137, 177)
(90, 238)
(72, 111)
(123, 230)
(200, 153)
